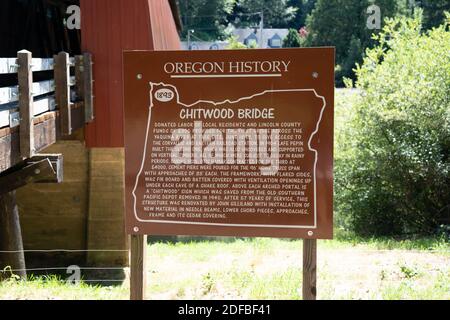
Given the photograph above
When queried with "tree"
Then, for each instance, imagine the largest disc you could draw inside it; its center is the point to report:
(336, 23)
(343, 24)
(433, 12)
(209, 18)
(292, 40)
(277, 13)
(304, 8)
(393, 176)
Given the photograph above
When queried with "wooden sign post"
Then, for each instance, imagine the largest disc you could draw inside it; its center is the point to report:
(138, 273)
(229, 143)
(309, 289)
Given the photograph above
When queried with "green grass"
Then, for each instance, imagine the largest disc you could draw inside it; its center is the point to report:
(437, 243)
(54, 288)
(262, 268)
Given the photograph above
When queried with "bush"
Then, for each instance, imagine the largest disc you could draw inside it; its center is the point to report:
(393, 170)
(233, 43)
(292, 40)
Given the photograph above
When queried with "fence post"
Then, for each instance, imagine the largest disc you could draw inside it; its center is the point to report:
(11, 236)
(309, 269)
(79, 77)
(26, 110)
(83, 75)
(88, 90)
(62, 92)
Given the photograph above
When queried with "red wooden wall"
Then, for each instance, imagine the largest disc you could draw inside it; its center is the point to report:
(108, 28)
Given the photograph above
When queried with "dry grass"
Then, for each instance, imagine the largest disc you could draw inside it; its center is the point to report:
(271, 269)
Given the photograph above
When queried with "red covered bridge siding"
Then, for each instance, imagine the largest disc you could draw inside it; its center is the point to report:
(108, 28)
(87, 210)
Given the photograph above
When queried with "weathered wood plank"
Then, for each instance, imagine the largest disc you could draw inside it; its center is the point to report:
(11, 237)
(4, 118)
(309, 269)
(62, 91)
(46, 132)
(26, 109)
(11, 94)
(9, 65)
(79, 77)
(40, 106)
(88, 92)
(138, 270)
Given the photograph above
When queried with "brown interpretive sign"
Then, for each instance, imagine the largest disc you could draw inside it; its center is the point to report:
(230, 143)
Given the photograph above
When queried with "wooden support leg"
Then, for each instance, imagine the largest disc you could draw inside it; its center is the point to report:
(11, 236)
(309, 269)
(138, 279)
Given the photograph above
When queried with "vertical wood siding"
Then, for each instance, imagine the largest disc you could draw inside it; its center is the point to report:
(108, 28)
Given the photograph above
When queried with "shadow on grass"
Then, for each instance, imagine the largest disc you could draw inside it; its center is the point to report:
(190, 239)
(411, 242)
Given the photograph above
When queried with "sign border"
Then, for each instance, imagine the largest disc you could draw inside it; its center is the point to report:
(153, 84)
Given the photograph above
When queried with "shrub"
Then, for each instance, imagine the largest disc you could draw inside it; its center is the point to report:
(292, 40)
(233, 43)
(393, 172)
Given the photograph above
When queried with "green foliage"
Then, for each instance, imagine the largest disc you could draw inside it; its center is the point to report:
(207, 17)
(233, 43)
(304, 8)
(353, 56)
(292, 40)
(393, 170)
(343, 24)
(408, 271)
(277, 13)
(335, 23)
(433, 11)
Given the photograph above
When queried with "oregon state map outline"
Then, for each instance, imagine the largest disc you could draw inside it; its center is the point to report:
(153, 84)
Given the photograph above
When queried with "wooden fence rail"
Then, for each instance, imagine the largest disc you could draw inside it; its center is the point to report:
(33, 115)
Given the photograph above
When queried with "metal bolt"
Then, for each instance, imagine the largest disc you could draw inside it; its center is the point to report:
(310, 233)
(315, 75)
(37, 171)
(139, 76)
(136, 229)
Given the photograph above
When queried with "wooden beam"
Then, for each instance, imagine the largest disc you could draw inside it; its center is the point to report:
(11, 237)
(40, 106)
(57, 162)
(11, 94)
(309, 269)
(16, 178)
(138, 272)
(10, 65)
(26, 110)
(79, 78)
(62, 91)
(46, 133)
(88, 93)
